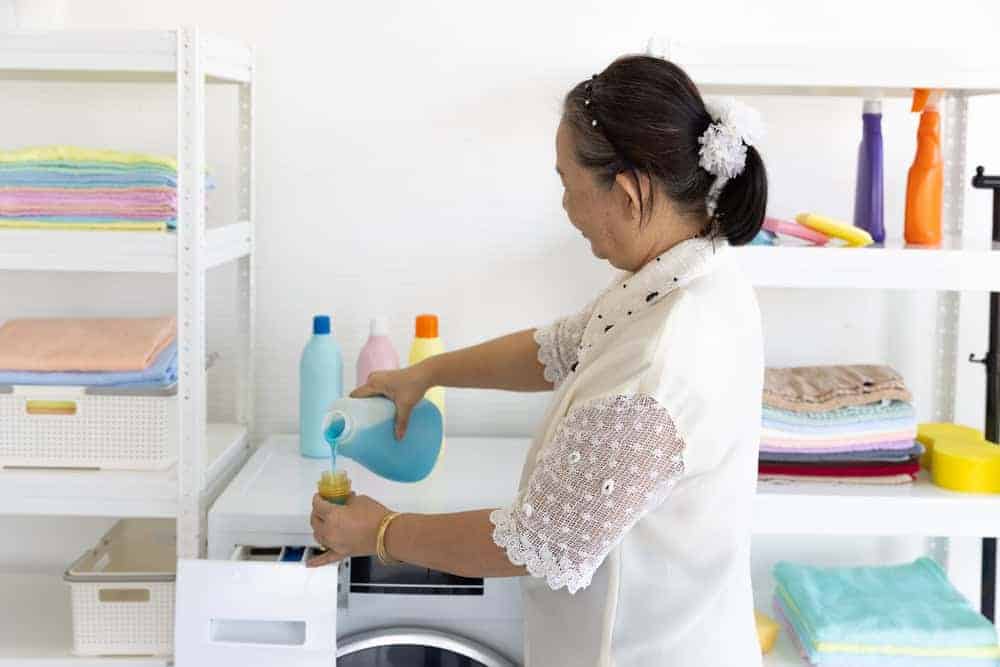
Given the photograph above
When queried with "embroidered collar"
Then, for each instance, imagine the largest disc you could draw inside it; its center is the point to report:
(631, 293)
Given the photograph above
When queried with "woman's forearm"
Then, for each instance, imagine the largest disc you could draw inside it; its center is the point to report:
(509, 362)
(459, 543)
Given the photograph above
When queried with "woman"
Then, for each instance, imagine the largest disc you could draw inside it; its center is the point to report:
(631, 527)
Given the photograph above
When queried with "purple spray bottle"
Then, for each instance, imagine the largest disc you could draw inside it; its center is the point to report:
(868, 194)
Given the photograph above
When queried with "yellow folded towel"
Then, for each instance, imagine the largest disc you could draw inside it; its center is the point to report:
(76, 154)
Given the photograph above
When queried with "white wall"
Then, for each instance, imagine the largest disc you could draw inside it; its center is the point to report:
(405, 154)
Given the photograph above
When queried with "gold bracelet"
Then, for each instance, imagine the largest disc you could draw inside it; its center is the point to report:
(380, 550)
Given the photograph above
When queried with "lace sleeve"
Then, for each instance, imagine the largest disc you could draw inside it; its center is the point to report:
(610, 462)
(559, 346)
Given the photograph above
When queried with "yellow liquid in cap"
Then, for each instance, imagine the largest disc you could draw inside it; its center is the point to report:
(335, 487)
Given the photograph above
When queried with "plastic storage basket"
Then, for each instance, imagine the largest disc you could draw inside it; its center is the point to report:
(123, 591)
(73, 427)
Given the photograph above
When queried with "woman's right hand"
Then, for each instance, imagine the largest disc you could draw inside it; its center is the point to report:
(404, 387)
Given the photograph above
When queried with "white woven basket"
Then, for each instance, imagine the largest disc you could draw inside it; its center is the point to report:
(72, 427)
(123, 591)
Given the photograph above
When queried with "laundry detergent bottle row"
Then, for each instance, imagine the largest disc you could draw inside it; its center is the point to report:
(363, 430)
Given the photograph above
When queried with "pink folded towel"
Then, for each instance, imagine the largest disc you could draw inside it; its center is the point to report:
(42, 196)
(84, 344)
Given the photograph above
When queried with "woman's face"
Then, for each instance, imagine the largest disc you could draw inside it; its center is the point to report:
(603, 215)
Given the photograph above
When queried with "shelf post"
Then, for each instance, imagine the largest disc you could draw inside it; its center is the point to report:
(191, 411)
(246, 288)
(988, 572)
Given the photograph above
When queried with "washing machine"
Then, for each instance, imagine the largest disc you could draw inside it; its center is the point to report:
(387, 616)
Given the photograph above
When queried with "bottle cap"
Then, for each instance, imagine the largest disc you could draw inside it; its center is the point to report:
(872, 106)
(427, 326)
(321, 324)
(380, 327)
(334, 486)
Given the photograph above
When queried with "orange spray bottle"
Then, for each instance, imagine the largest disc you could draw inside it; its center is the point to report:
(925, 183)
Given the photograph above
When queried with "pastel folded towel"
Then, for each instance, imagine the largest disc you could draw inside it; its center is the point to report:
(76, 224)
(73, 154)
(877, 411)
(825, 430)
(908, 609)
(805, 448)
(104, 345)
(819, 388)
(880, 441)
(883, 480)
(886, 455)
(160, 374)
(59, 196)
(85, 180)
(793, 630)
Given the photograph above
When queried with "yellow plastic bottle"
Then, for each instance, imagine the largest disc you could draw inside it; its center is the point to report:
(426, 344)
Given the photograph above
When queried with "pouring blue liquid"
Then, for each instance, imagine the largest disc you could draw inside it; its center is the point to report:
(363, 430)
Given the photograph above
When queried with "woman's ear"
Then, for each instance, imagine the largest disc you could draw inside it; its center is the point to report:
(634, 185)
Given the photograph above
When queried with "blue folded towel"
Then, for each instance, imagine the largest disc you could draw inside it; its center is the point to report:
(161, 373)
(891, 410)
(912, 606)
(820, 456)
(45, 179)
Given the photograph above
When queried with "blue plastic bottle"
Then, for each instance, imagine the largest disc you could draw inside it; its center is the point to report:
(363, 429)
(868, 194)
(321, 382)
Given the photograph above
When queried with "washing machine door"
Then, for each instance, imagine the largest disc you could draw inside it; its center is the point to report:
(415, 647)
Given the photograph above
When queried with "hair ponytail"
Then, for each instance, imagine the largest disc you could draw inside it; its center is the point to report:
(742, 203)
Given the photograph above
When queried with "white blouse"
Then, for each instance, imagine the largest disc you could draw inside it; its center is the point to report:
(633, 513)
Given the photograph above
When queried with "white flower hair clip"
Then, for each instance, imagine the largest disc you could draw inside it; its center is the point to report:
(723, 151)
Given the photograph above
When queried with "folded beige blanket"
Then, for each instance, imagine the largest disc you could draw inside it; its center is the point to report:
(47, 345)
(825, 388)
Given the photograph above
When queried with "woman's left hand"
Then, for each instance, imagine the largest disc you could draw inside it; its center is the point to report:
(345, 530)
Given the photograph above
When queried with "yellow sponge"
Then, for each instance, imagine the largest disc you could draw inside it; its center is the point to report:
(767, 631)
(963, 465)
(928, 434)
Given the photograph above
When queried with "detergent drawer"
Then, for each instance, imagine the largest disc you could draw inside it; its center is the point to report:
(260, 608)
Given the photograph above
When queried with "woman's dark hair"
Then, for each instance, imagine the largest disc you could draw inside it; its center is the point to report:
(649, 116)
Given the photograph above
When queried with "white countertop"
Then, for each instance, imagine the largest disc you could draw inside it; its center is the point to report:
(273, 492)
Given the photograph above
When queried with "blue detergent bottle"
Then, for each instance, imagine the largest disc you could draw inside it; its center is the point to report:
(363, 429)
(321, 382)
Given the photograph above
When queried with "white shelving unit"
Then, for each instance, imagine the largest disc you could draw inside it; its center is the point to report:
(34, 609)
(962, 263)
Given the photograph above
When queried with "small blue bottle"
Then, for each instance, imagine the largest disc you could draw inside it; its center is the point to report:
(321, 382)
(363, 429)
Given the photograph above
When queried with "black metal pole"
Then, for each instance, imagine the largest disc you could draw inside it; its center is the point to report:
(988, 573)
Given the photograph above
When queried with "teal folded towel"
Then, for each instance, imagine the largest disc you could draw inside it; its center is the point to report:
(910, 605)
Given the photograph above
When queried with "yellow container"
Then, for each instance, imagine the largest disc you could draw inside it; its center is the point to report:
(767, 631)
(427, 343)
(335, 487)
(963, 465)
(928, 434)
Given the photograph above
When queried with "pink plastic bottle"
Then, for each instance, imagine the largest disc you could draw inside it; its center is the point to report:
(378, 353)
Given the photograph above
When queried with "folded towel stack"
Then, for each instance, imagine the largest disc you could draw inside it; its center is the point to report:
(66, 187)
(123, 353)
(838, 424)
(903, 615)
